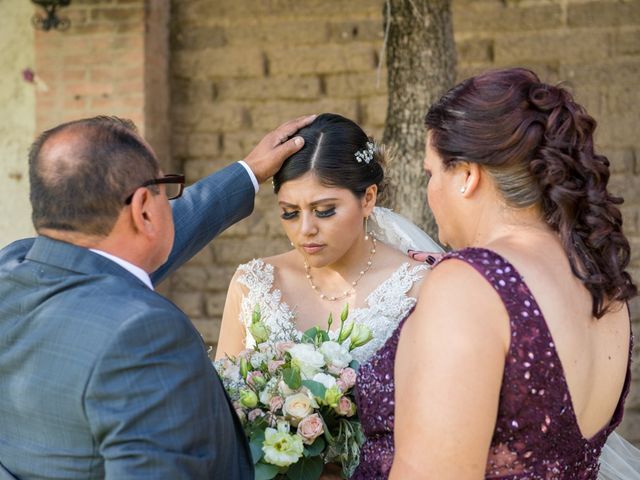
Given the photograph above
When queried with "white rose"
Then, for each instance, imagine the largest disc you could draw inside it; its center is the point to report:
(336, 354)
(297, 406)
(307, 359)
(327, 380)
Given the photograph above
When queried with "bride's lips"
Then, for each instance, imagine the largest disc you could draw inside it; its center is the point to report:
(312, 248)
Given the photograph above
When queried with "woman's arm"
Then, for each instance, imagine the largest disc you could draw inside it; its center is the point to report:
(232, 330)
(448, 375)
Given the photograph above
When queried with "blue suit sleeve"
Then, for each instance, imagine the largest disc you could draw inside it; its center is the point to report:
(205, 209)
(155, 405)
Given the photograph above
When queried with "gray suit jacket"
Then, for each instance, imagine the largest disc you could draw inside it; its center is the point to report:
(101, 377)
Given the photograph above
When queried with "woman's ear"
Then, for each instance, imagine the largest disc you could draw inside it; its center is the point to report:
(470, 178)
(369, 199)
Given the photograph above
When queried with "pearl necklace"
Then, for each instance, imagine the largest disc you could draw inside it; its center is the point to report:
(354, 284)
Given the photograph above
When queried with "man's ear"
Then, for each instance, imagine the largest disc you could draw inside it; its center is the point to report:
(369, 199)
(142, 212)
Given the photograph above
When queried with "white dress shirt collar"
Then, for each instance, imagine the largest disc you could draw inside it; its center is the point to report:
(130, 267)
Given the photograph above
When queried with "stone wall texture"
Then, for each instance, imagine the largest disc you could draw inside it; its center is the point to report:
(241, 67)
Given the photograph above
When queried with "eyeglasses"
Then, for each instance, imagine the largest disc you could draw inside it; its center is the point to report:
(174, 186)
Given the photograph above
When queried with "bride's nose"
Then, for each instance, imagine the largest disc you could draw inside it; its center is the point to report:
(308, 226)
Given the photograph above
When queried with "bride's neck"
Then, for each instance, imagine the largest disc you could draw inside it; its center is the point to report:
(350, 264)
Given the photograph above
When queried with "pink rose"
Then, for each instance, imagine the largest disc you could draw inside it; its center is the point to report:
(254, 414)
(276, 403)
(241, 415)
(255, 379)
(282, 347)
(342, 386)
(345, 407)
(310, 428)
(348, 376)
(274, 365)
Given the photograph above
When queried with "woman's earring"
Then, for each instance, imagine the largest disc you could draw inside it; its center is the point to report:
(366, 228)
(292, 244)
(463, 189)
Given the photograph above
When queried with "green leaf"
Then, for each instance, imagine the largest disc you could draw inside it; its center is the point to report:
(316, 388)
(324, 336)
(354, 364)
(292, 377)
(306, 469)
(310, 335)
(265, 471)
(315, 448)
(255, 444)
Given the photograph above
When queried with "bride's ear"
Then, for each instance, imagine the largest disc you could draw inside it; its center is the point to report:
(369, 198)
(471, 178)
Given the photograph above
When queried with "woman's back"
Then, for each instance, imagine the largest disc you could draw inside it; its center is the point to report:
(565, 375)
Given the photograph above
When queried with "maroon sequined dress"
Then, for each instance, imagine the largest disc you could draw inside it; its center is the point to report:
(536, 435)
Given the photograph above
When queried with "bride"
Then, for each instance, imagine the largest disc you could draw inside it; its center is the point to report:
(344, 250)
(327, 194)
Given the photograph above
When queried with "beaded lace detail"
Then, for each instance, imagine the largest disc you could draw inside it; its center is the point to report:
(385, 307)
(536, 435)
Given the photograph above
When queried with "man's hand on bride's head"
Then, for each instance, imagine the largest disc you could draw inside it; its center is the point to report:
(268, 156)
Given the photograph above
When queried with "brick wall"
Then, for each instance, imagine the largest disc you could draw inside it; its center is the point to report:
(113, 60)
(241, 67)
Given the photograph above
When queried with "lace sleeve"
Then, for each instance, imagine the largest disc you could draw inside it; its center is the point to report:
(258, 277)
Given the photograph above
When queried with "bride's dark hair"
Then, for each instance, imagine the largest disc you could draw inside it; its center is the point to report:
(537, 144)
(330, 146)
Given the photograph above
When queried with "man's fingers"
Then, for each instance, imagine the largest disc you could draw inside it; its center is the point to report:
(289, 128)
(289, 147)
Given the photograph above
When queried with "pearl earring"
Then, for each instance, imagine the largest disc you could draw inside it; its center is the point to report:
(463, 189)
(366, 230)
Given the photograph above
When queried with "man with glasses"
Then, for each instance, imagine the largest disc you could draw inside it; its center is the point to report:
(100, 376)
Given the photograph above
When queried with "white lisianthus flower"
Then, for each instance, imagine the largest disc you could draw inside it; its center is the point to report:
(336, 354)
(265, 396)
(327, 380)
(281, 448)
(307, 359)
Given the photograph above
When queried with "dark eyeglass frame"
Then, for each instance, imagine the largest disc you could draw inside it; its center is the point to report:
(172, 178)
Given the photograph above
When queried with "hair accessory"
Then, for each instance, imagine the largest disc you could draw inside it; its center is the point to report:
(366, 154)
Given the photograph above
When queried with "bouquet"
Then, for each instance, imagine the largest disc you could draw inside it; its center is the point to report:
(295, 399)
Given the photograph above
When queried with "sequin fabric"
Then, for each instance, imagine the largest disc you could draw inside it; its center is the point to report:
(385, 306)
(537, 436)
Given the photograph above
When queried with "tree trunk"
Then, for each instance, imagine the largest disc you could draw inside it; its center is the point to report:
(421, 60)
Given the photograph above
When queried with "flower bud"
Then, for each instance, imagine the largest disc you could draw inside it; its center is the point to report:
(345, 331)
(248, 398)
(332, 396)
(360, 335)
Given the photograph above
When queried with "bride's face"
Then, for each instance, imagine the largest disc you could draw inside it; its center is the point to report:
(323, 223)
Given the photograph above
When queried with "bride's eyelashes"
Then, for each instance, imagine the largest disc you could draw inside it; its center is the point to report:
(318, 213)
(325, 213)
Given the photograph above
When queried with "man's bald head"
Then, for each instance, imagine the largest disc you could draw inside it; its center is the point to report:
(81, 172)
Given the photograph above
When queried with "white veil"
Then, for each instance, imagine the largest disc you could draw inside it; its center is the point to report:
(619, 459)
(400, 233)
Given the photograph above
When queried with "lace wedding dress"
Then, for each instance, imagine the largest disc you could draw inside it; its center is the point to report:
(385, 307)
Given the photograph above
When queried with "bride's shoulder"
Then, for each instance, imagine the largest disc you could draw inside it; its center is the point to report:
(395, 259)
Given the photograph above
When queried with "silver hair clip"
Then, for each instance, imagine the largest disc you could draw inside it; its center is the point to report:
(366, 154)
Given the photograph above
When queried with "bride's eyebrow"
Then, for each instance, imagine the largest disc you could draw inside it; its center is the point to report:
(312, 204)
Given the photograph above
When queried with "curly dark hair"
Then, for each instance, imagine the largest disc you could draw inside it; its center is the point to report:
(537, 143)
